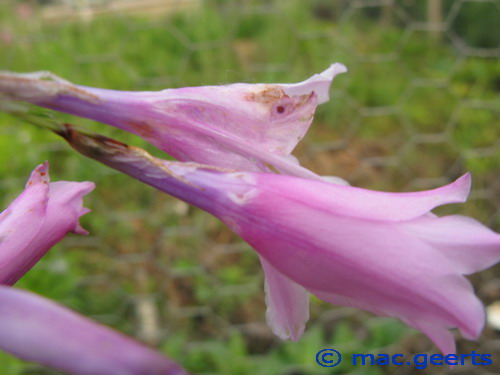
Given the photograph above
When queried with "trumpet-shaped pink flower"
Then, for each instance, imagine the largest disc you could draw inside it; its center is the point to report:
(36, 220)
(252, 127)
(36, 329)
(244, 126)
(382, 252)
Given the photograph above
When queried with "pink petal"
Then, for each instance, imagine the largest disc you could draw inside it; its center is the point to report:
(439, 335)
(363, 203)
(39, 218)
(38, 330)
(319, 83)
(287, 304)
(467, 243)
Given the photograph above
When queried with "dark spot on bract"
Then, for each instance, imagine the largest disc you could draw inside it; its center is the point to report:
(280, 109)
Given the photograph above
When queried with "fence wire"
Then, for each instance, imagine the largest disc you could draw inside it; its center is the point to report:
(419, 107)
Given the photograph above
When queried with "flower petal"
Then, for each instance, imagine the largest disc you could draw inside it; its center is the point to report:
(429, 318)
(318, 83)
(36, 329)
(287, 304)
(439, 335)
(363, 203)
(467, 243)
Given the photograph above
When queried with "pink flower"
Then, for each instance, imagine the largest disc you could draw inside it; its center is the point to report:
(38, 219)
(36, 329)
(382, 252)
(244, 126)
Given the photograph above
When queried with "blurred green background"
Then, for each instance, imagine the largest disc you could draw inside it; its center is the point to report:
(419, 107)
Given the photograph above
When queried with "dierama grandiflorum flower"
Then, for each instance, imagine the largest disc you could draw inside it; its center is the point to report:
(249, 127)
(382, 252)
(39, 330)
(36, 220)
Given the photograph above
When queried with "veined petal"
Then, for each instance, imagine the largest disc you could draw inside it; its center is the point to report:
(36, 329)
(363, 203)
(287, 304)
(471, 246)
(39, 218)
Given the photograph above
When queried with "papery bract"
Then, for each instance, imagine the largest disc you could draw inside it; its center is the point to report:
(36, 220)
(39, 330)
(381, 252)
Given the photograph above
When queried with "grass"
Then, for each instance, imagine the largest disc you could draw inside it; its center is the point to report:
(206, 285)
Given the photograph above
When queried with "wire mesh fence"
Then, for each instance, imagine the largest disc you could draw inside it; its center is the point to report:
(419, 107)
